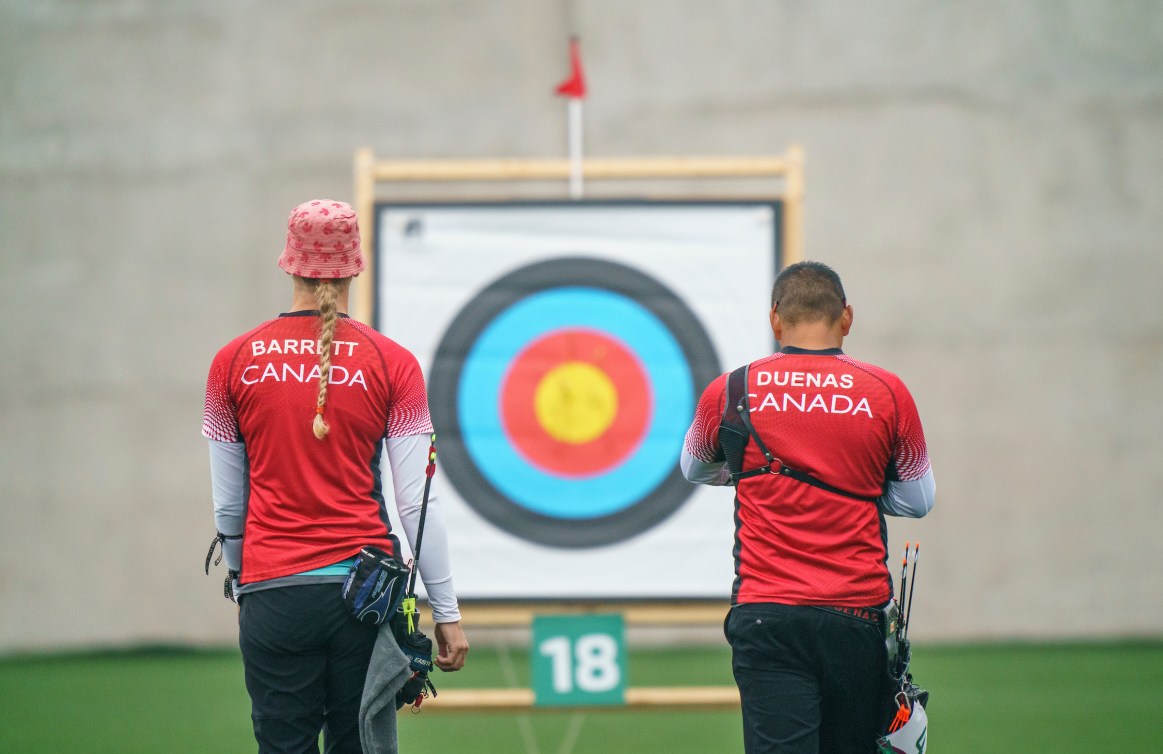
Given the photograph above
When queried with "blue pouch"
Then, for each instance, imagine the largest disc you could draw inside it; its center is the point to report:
(375, 586)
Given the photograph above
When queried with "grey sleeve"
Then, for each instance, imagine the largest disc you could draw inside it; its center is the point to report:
(701, 472)
(230, 489)
(408, 457)
(911, 499)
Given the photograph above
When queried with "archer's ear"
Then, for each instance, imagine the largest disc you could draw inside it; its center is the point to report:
(776, 323)
(846, 319)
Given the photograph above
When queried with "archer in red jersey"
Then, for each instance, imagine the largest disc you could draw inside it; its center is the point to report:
(299, 413)
(844, 447)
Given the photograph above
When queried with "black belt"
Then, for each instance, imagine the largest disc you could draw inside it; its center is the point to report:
(867, 614)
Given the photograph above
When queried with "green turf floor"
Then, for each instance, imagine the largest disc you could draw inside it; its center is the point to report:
(1043, 698)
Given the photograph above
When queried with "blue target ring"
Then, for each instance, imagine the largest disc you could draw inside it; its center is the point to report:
(535, 316)
(616, 304)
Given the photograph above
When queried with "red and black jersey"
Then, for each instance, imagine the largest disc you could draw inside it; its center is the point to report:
(851, 425)
(312, 502)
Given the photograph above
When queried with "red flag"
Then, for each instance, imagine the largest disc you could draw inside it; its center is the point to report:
(575, 85)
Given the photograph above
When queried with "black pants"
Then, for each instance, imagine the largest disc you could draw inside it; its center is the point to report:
(305, 660)
(811, 682)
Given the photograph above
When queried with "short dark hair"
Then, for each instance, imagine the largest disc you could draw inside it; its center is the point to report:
(808, 292)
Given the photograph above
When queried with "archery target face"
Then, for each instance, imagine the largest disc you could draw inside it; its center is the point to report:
(564, 347)
(572, 381)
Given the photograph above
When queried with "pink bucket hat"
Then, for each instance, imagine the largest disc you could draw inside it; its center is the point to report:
(322, 241)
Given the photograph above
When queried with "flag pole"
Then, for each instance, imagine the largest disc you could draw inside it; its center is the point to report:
(575, 89)
(576, 187)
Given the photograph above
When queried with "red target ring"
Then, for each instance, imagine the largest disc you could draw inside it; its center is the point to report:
(576, 403)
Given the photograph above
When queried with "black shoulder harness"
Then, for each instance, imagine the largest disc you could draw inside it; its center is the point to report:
(736, 428)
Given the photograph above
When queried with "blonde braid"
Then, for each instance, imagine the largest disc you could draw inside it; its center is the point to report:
(325, 294)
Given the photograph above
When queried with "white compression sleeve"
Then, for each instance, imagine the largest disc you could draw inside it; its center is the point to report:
(230, 489)
(408, 457)
(701, 472)
(912, 499)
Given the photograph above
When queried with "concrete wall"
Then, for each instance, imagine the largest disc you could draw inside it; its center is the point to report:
(987, 177)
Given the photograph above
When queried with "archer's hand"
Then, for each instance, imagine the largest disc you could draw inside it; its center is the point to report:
(451, 645)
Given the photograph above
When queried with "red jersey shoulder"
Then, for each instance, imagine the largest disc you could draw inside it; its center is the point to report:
(702, 439)
(765, 361)
(220, 414)
(383, 343)
(910, 451)
(408, 407)
(399, 363)
(231, 350)
(885, 377)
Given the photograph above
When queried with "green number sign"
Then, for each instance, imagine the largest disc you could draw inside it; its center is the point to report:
(579, 660)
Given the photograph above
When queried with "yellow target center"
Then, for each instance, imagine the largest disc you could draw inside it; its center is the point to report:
(575, 402)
